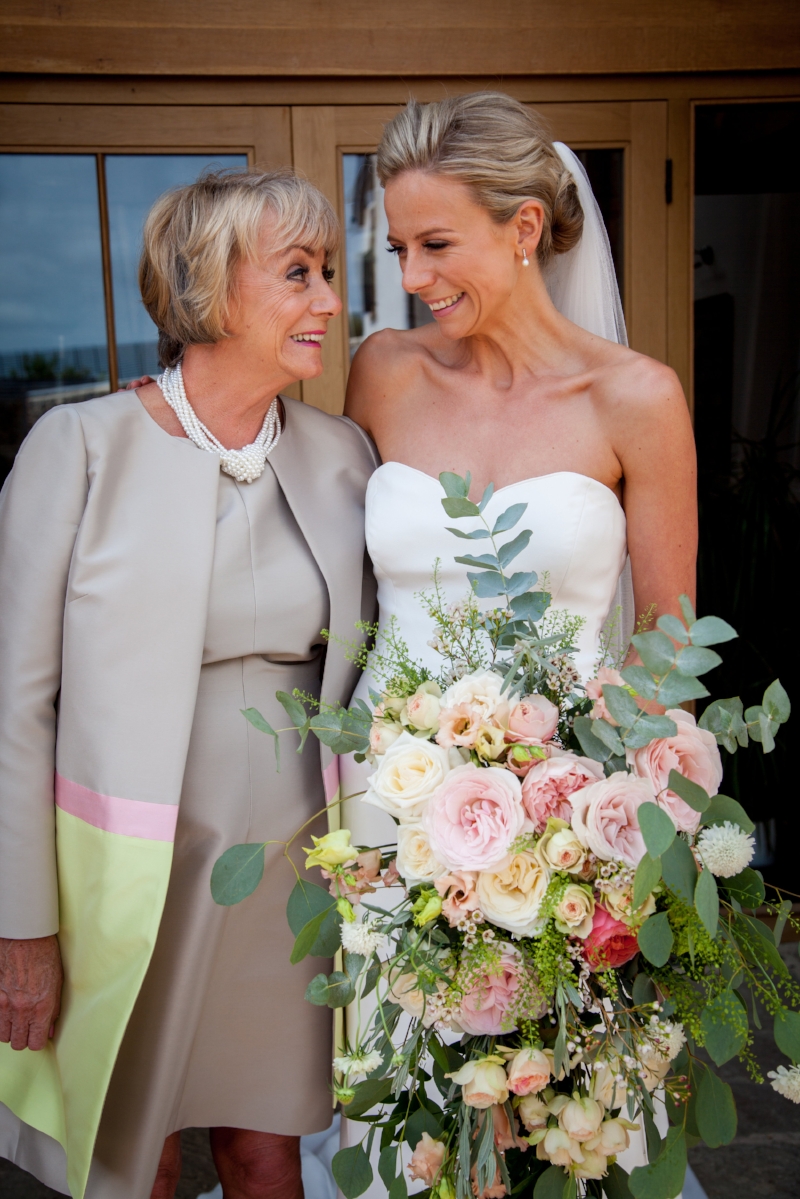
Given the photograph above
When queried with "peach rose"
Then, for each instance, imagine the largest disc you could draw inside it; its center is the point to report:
(581, 1118)
(484, 1008)
(574, 911)
(505, 1134)
(559, 1148)
(528, 1072)
(459, 725)
(457, 890)
(559, 848)
(534, 719)
(382, 734)
(610, 943)
(533, 1112)
(604, 817)
(495, 1190)
(483, 1082)
(548, 785)
(606, 676)
(474, 816)
(427, 1159)
(422, 709)
(693, 752)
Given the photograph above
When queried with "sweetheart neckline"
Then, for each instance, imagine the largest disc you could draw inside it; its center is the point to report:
(519, 483)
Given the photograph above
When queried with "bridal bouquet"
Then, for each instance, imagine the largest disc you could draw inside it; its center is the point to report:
(569, 930)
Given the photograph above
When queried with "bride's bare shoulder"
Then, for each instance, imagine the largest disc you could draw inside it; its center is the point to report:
(384, 369)
(642, 406)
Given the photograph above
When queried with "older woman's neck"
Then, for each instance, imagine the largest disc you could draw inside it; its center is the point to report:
(230, 392)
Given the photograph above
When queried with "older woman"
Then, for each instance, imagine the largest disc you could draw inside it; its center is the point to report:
(147, 597)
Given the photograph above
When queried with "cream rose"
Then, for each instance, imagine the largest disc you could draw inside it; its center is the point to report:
(415, 859)
(693, 752)
(608, 1084)
(604, 817)
(480, 691)
(559, 848)
(512, 897)
(612, 1137)
(594, 1164)
(581, 1118)
(574, 911)
(382, 734)
(533, 1112)
(422, 708)
(618, 904)
(528, 1072)
(559, 1148)
(483, 1083)
(406, 991)
(406, 777)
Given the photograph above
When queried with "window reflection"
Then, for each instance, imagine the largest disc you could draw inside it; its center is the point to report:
(52, 313)
(133, 183)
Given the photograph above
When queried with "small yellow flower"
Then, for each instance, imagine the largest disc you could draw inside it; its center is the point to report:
(334, 849)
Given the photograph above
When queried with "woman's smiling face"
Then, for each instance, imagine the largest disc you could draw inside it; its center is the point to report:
(454, 256)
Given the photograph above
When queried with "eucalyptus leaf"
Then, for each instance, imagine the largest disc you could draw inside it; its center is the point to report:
(522, 581)
(716, 1111)
(724, 1026)
(656, 651)
(676, 688)
(508, 552)
(663, 1178)
(506, 520)
(615, 1183)
(458, 507)
(486, 584)
(674, 628)
(317, 990)
(488, 492)
(757, 943)
(722, 808)
(747, 887)
(421, 1121)
(648, 874)
(387, 1164)
(655, 939)
(368, 1094)
(608, 735)
(787, 1033)
(647, 728)
(651, 1135)
(342, 731)
(710, 630)
(531, 606)
(258, 722)
(644, 990)
(475, 535)
(706, 901)
(305, 902)
(691, 793)
(480, 561)
(236, 874)
(657, 829)
(641, 680)
(306, 938)
(399, 1187)
(695, 659)
(621, 704)
(550, 1185)
(679, 870)
(776, 703)
(296, 713)
(687, 610)
(591, 745)
(352, 1171)
(454, 486)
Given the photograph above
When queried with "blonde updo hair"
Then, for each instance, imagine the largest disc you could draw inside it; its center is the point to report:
(499, 148)
(196, 236)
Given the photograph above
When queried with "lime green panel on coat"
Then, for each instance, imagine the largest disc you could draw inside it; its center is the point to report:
(111, 893)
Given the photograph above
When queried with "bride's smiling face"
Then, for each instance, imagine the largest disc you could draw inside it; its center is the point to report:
(460, 262)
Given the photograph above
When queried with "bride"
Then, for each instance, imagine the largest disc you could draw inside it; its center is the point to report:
(524, 379)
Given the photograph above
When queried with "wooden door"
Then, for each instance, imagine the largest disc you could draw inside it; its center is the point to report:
(322, 135)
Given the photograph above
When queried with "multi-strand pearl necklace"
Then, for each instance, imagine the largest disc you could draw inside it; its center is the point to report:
(245, 465)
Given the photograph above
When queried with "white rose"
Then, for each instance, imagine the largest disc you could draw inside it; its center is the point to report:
(406, 777)
(574, 911)
(482, 691)
(559, 1148)
(422, 708)
(581, 1118)
(533, 1112)
(612, 1137)
(512, 897)
(483, 1083)
(415, 859)
(559, 848)
(605, 1087)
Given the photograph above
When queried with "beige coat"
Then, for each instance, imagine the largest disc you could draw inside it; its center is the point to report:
(106, 544)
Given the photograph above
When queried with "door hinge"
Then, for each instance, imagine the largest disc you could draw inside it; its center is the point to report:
(668, 180)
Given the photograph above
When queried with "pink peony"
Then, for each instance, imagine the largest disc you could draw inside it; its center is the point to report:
(693, 753)
(473, 817)
(483, 1008)
(460, 725)
(534, 719)
(605, 820)
(606, 676)
(547, 786)
(458, 895)
(610, 943)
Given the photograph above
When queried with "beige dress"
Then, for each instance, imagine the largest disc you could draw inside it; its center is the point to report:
(221, 1034)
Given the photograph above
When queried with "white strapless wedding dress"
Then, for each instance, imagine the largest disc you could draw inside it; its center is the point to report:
(578, 540)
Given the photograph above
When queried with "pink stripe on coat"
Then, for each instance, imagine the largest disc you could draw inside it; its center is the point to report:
(129, 817)
(330, 779)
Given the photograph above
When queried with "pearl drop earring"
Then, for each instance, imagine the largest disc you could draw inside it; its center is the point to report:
(525, 261)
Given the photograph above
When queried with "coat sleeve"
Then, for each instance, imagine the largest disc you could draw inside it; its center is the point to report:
(41, 506)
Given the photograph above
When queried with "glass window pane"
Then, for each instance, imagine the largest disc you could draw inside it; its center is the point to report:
(133, 183)
(52, 313)
(375, 296)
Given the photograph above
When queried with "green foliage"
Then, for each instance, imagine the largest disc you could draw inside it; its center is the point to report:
(258, 722)
(657, 828)
(787, 1033)
(616, 1183)
(706, 901)
(236, 874)
(663, 1178)
(679, 870)
(656, 939)
(691, 793)
(722, 808)
(747, 888)
(352, 1171)
(724, 1027)
(551, 1184)
(368, 1094)
(648, 874)
(715, 1111)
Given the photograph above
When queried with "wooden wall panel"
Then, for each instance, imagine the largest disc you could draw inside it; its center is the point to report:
(380, 37)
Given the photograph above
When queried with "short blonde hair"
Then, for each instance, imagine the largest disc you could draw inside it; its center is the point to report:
(499, 148)
(196, 236)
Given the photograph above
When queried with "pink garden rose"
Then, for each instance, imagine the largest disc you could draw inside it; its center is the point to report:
(610, 943)
(534, 719)
(606, 676)
(427, 1159)
(458, 895)
(605, 820)
(693, 752)
(483, 1009)
(548, 785)
(529, 1071)
(473, 817)
(459, 725)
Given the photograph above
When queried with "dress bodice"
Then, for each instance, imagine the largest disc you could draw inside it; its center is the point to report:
(578, 542)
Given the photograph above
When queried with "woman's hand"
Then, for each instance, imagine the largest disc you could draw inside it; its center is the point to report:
(30, 991)
(134, 383)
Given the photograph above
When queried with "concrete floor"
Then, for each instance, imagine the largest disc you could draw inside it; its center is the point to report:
(763, 1162)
